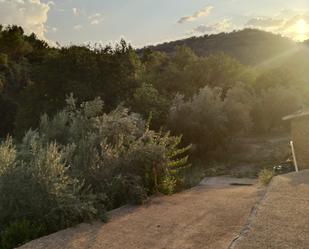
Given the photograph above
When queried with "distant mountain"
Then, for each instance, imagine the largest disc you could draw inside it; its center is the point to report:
(249, 46)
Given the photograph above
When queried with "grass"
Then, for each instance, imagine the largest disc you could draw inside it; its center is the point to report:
(265, 176)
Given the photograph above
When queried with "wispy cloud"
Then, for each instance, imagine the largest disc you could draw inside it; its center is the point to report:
(284, 22)
(78, 27)
(201, 13)
(221, 26)
(264, 22)
(95, 19)
(54, 29)
(50, 29)
(76, 11)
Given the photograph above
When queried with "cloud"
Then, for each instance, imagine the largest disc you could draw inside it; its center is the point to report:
(78, 27)
(285, 19)
(264, 22)
(30, 14)
(204, 12)
(76, 11)
(103, 43)
(290, 22)
(222, 26)
(287, 13)
(95, 18)
(284, 22)
(51, 29)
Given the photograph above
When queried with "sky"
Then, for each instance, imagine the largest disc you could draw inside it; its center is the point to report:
(147, 22)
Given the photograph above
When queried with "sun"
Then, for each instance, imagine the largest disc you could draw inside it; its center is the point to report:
(301, 29)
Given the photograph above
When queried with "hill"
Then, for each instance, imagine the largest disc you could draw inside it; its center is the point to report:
(249, 46)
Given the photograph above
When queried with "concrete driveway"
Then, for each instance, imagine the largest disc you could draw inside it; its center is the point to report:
(209, 216)
(282, 220)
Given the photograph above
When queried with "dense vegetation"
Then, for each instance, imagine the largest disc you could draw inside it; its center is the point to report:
(80, 163)
(126, 133)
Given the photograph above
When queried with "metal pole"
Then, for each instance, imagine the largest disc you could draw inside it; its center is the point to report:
(294, 156)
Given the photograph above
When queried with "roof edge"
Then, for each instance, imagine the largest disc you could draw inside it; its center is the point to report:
(299, 114)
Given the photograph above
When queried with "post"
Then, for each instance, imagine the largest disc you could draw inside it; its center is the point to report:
(294, 156)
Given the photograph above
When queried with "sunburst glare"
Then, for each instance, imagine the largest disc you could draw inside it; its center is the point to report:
(301, 30)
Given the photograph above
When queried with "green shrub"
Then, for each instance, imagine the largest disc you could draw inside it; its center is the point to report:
(100, 146)
(3, 59)
(17, 233)
(191, 177)
(265, 176)
(147, 99)
(35, 185)
(168, 184)
(124, 189)
(81, 163)
(212, 117)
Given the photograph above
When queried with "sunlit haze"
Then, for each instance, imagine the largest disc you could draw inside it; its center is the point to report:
(302, 30)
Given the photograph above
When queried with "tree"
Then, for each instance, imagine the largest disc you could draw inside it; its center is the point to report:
(12, 43)
(112, 74)
(168, 75)
(272, 105)
(120, 73)
(149, 102)
(218, 70)
(276, 78)
(8, 111)
(209, 120)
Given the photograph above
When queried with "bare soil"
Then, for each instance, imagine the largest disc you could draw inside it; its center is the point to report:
(209, 216)
(250, 154)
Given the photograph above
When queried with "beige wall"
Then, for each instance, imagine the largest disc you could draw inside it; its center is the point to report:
(300, 137)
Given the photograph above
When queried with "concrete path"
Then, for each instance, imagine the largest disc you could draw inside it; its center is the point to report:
(209, 216)
(282, 220)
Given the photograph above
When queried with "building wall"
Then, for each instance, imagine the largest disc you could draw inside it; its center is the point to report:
(300, 137)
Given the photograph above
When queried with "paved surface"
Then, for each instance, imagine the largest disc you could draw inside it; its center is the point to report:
(209, 216)
(282, 220)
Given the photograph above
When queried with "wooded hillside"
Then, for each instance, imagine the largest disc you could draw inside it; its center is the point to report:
(249, 46)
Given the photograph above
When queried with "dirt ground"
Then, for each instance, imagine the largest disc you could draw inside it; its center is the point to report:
(209, 216)
(282, 220)
(250, 154)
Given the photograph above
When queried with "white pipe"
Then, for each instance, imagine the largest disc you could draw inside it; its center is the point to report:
(294, 156)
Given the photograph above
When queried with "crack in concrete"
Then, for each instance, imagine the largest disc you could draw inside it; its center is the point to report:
(250, 219)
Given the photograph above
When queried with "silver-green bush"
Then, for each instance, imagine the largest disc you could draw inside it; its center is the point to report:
(82, 162)
(212, 117)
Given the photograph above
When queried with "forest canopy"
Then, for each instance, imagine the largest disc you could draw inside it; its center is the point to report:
(36, 78)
